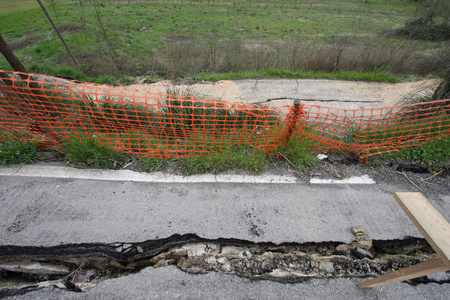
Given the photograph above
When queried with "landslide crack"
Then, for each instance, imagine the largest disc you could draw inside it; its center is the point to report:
(82, 266)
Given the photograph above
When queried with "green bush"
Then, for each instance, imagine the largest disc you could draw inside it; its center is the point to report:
(435, 154)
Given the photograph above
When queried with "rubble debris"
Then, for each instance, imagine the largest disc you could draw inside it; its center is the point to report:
(81, 267)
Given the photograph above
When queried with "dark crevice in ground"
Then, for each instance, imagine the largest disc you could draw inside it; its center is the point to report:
(79, 267)
(316, 100)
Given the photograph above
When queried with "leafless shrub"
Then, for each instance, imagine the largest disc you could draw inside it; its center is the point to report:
(70, 27)
(430, 61)
(96, 62)
(185, 56)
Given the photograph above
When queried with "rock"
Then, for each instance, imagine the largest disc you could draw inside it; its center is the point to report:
(359, 231)
(322, 249)
(363, 244)
(227, 267)
(161, 263)
(232, 250)
(222, 260)
(361, 239)
(140, 249)
(267, 255)
(362, 253)
(211, 260)
(327, 267)
(211, 247)
(192, 249)
(267, 266)
(343, 249)
(247, 254)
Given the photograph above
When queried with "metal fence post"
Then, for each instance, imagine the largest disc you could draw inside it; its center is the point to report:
(291, 123)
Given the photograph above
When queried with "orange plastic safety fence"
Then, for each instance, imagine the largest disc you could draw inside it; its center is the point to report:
(368, 132)
(50, 110)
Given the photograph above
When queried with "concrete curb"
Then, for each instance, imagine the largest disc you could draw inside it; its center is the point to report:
(127, 175)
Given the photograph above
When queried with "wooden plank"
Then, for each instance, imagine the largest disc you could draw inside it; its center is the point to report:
(429, 221)
(423, 269)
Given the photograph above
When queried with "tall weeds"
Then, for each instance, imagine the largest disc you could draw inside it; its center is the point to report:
(196, 55)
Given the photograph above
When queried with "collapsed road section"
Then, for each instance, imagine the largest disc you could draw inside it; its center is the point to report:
(77, 234)
(81, 267)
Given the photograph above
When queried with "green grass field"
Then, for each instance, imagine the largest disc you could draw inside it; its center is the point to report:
(190, 38)
(17, 6)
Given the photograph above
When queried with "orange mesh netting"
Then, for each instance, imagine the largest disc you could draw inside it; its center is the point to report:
(50, 110)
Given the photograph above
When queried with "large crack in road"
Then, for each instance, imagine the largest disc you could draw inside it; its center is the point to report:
(81, 267)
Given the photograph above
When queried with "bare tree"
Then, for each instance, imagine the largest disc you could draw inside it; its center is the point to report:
(57, 31)
(52, 4)
(113, 54)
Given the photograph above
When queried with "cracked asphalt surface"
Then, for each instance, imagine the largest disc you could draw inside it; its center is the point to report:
(39, 211)
(172, 283)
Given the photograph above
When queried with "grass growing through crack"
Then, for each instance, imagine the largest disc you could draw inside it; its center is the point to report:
(90, 153)
(151, 164)
(239, 158)
(242, 158)
(17, 152)
(299, 155)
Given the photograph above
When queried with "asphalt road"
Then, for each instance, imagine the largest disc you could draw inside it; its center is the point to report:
(46, 211)
(171, 283)
(40, 211)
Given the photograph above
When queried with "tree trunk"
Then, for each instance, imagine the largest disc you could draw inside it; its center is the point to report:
(10, 57)
(443, 90)
(429, 13)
